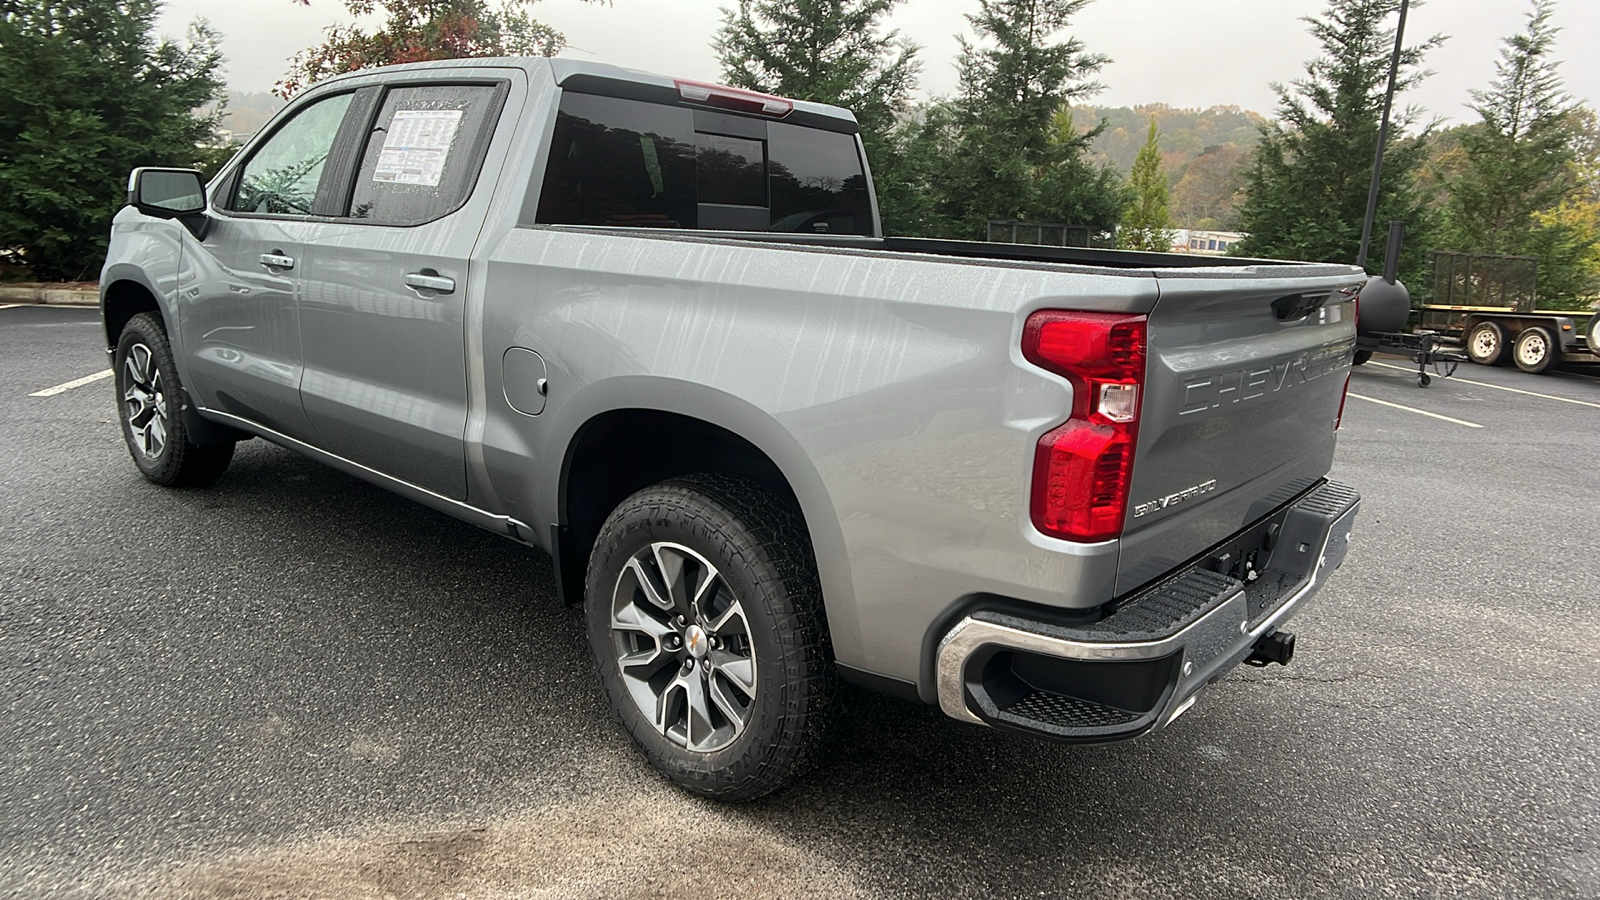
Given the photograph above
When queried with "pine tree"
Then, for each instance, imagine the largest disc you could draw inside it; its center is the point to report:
(1147, 225)
(1306, 190)
(1518, 165)
(1011, 159)
(835, 52)
(91, 93)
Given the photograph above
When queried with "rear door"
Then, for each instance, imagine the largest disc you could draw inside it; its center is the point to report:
(1244, 384)
(388, 282)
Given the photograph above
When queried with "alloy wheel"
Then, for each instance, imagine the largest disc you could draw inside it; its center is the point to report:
(145, 401)
(682, 643)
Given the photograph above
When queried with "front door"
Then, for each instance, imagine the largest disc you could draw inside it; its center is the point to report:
(240, 318)
(386, 288)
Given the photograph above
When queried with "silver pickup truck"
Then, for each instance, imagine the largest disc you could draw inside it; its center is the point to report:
(651, 327)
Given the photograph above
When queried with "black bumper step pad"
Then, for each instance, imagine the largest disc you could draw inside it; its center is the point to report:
(1058, 712)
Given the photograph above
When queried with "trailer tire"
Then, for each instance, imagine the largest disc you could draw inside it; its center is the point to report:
(1535, 351)
(1486, 344)
(1594, 334)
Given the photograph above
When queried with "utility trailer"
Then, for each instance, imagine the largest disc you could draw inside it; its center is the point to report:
(1488, 304)
(1383, 307)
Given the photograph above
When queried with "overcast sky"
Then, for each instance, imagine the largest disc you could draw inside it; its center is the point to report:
(1185, 53)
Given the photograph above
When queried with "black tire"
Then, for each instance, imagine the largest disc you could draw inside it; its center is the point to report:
(149, 400)
(759, 548)
(1536, 350)
(1486, 344)
(1362, 357)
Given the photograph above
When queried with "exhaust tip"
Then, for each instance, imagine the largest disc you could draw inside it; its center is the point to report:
(1277, 647)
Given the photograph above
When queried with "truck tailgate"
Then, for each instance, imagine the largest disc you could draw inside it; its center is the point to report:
(1244, 382)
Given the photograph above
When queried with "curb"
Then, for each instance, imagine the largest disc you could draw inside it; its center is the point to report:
(48, 296)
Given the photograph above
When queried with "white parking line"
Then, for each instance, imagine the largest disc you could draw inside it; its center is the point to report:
(1420, 412)
(1497, 387)
(74, 383)
(15, 305)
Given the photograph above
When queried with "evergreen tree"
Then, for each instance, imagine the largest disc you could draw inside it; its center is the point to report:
(420, 30)
(1306, 190)
(1147, 225)
(835, 52)
(1517, 165)
(91, 93)
(1012, 160)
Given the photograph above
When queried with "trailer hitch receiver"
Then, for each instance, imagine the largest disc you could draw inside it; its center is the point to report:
(1277, 647)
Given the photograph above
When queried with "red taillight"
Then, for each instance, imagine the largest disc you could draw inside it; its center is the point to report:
(736, 99)
(1082, 470)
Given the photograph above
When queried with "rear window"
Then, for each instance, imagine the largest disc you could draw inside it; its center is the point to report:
(629, 163)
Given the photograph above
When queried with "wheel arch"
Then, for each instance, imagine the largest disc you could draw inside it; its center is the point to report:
(125, 293)
(700, 429)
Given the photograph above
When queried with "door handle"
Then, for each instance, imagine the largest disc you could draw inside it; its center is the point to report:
(429, 280)
(276, 260)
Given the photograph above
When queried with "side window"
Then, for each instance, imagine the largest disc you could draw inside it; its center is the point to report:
(616, 162)
(424, 153)
(620, 163)
(282, 175)
(818, 183)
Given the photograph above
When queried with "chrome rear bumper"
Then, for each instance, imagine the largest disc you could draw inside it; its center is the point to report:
(1141, 667)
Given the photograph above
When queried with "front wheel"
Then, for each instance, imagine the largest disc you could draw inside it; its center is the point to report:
(149, 400)
(1535, 350)
(705, 618)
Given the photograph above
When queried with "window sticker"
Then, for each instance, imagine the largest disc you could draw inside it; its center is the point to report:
(417, 146)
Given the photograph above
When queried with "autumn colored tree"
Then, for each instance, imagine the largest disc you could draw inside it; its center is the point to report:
(421, 30)
(1211, 187)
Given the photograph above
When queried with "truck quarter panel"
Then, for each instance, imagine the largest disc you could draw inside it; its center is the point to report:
(900, 381)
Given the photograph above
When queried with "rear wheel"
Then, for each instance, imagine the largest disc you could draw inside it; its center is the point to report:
(150, 406)
(705, 619)
(1594, 334)
(1486, 344)
(1362, 356)
(1535, 350)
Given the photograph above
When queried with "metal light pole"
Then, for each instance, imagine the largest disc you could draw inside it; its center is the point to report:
(1383, 136)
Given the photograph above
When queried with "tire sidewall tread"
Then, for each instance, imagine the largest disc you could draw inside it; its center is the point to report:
(762, 550)
(181, 464)
(1500, 351)
(1551, 353)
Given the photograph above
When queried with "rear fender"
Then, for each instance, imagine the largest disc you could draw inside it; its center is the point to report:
(738, 416)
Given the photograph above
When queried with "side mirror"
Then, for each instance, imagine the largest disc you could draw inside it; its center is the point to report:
(167, 193)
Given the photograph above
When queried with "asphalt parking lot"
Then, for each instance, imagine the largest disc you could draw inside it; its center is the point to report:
(297, 685)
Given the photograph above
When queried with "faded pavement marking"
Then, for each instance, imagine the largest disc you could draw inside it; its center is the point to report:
(74, 383)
